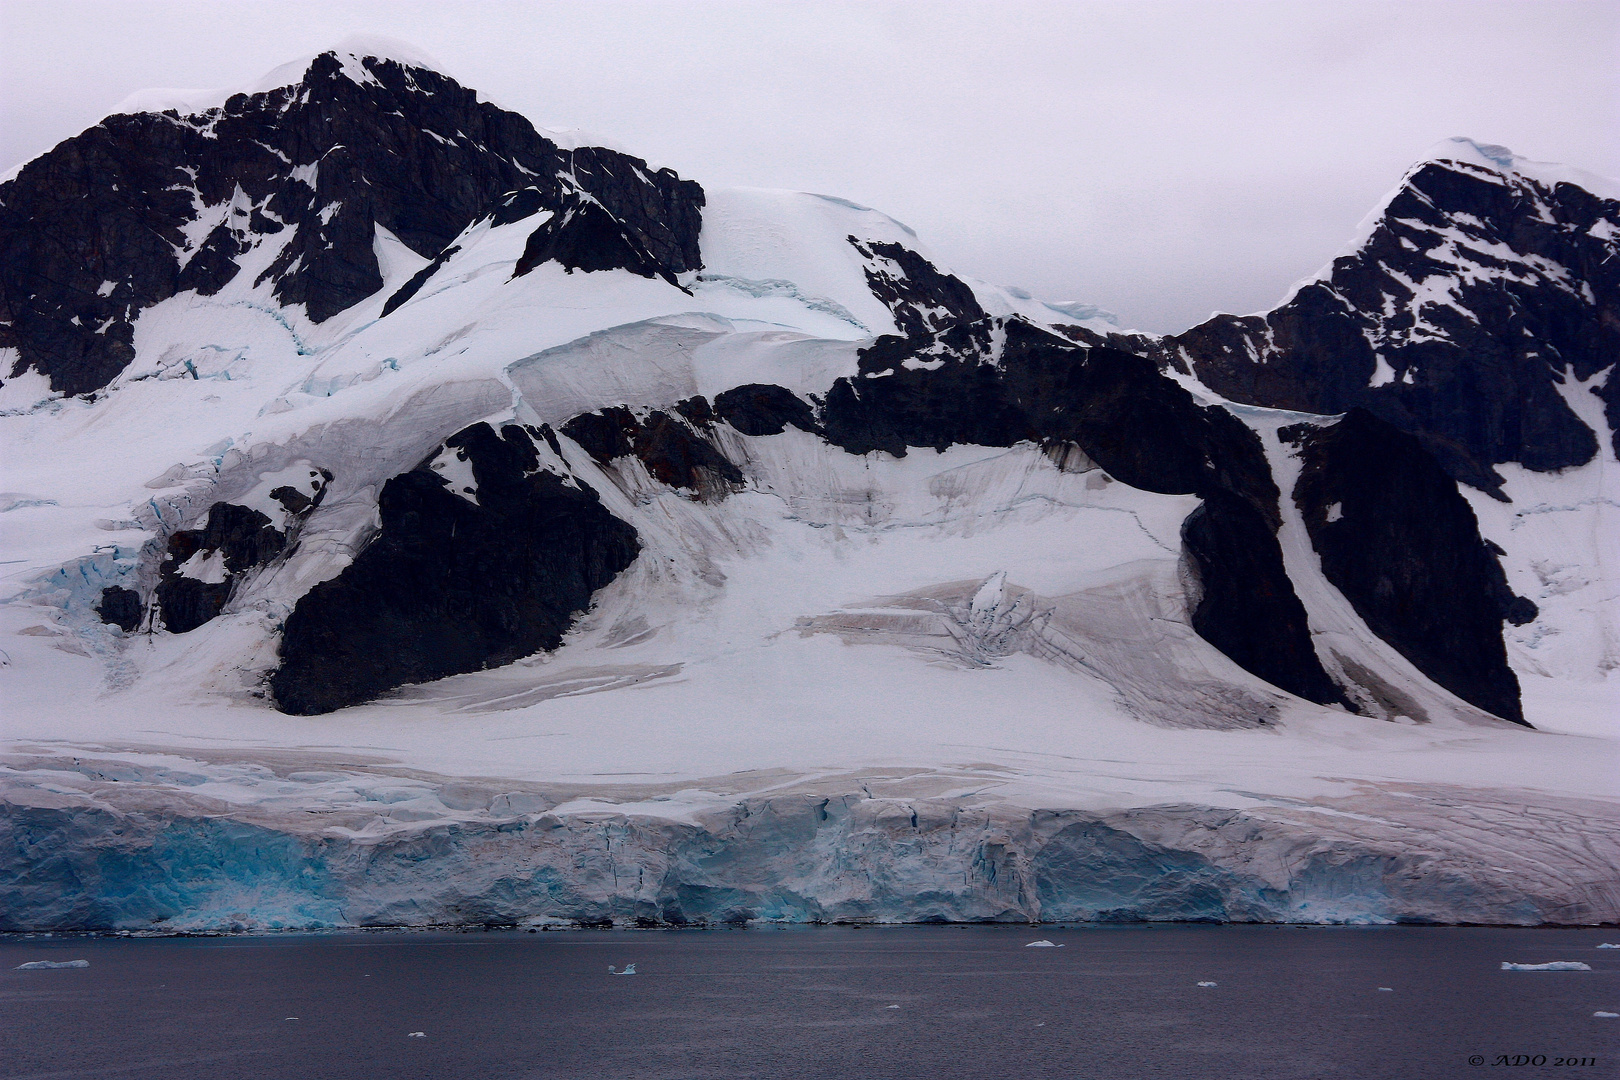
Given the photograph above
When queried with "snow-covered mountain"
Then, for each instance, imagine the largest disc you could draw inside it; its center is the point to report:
(412, 517)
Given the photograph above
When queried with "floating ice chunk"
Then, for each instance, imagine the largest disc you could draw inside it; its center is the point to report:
(629, 969)
(1042, 944)
(1607, 945)
(1606, 1015)
(1208, 984)
(891, 1006)
(292, 1018)
(1556, 965)
(47, 965)
(416, 1035)
(1387, 989)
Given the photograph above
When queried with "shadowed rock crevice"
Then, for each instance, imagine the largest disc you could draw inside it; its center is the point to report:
(121, 607)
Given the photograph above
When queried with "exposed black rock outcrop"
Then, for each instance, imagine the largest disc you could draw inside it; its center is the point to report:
(1137, 424)
(417, 280)
(1247, 607)
(673, 452)
(764, 409)
(1401, 543)
(452, 583)
(925, 301)
(96, 230)
(1454, 321)
(121, 607)
(1140, 427)
(202, 566)
(584, 235)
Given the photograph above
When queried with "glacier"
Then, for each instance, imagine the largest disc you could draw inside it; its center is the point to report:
(949, 679)
(149, 844)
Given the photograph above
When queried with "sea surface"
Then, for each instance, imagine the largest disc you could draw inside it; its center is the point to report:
(937, 1002)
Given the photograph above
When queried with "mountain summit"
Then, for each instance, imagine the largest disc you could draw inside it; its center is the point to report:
(330, 155)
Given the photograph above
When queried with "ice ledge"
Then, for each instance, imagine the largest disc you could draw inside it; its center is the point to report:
(147, 856)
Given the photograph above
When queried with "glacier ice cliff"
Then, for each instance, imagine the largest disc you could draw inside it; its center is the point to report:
(104, 845)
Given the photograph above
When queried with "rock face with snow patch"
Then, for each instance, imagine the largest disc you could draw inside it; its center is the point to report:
(1403, 546)
(146, 205)
(472, 569)
(1481, 282)
(1139, 426)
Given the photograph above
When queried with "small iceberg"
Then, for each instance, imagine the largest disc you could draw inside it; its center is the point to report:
(1607, 945)
(1556, 965)
(1042, 944)
(48, 965)
(416, 1035)
(1208, 984)
(629, 969)
(1387, 989)
(1606, 1016)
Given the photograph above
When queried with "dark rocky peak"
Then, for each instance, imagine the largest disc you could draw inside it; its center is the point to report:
(1401, 543)
(145, 205)
(1483, 280)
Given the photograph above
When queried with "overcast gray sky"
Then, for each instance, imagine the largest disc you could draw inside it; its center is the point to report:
(1162, 159)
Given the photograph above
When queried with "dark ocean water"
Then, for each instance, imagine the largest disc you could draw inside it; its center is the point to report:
(806, 1003)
